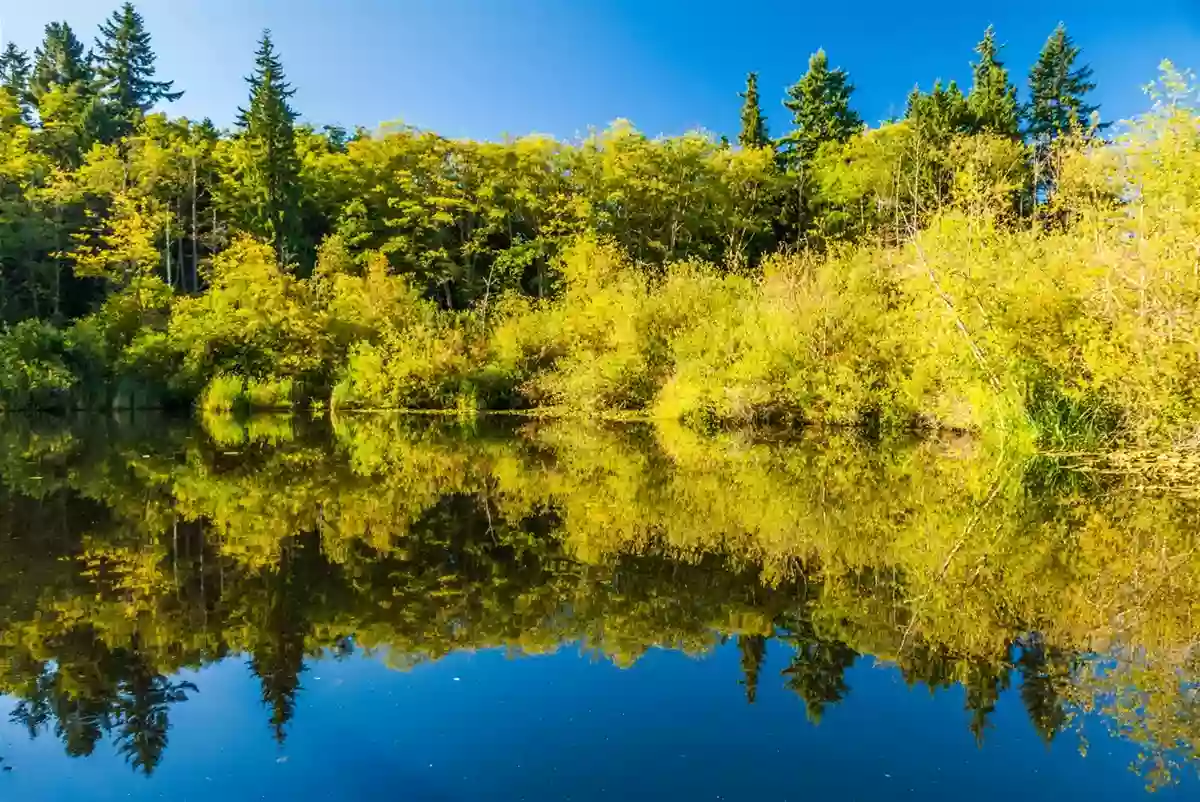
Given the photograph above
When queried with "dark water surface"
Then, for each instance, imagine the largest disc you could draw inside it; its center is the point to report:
(388, 608)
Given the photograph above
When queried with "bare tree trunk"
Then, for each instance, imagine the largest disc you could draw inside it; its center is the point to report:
(195, 239)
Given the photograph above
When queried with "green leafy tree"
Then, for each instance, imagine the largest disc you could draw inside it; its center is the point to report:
(1057, 89)
(267, 166)
(125, 68)
(820, 107)
(754, 124)
(59, 61)
(993, 99)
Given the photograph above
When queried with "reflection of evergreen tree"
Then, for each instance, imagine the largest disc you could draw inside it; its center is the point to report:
(1044, 673)
(142, 713)
(984, 683)
(287, 595)
(817, 673)
(91, 695)
(753, 649)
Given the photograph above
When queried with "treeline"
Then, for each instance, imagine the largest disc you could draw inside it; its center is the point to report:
(149, 261)
(133, 553)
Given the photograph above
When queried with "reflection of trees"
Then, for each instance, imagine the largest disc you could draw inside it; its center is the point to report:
(817, 673)
(84, 697)
(753, 650)
(154, 549)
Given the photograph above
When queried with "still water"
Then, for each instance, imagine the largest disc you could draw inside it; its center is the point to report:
(390, 608)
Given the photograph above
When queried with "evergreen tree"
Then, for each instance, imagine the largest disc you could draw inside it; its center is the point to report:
(820, 107)
(753, 649)
(125, 67)
(273, 170)
(754, 124)
(993, 98)
(939, 114)
(59, 61)
(14, 76)
(1057, 89)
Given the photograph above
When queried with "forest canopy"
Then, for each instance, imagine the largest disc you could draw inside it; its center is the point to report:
(980, 263)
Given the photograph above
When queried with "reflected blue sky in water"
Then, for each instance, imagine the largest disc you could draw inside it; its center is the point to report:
(485, 726)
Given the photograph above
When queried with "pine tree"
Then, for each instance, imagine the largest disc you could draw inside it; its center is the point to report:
(1057, 89)
(820, 107)
(14, 76)
(273, 172)
(754, 124)
(941, 113)
(125, 67)
(59, 61)
(993, 99)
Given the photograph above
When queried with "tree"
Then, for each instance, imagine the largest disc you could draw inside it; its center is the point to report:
(125, 68)
(754, 124)
(993, 99)
(939, 114)
(59, 61)
(1057, 89)
(820, 107)
(14, 76)
(270, 168)
(753, 649)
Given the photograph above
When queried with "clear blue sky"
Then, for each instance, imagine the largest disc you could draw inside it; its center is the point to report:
(485, 68)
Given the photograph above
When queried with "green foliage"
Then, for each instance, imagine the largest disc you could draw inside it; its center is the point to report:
(820, 107)
(14, 76)
(992, 100)
(262, 168)
(753, 133)
(1057, 89)
(59, 61)
(125, 69)
(34, 369)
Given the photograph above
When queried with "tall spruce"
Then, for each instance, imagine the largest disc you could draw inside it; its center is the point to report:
(59, 61)
(274, 168)
(754, 124)
(993, 99)
(14, 76)
(125, 68)
(820, 107)
(1057, 89)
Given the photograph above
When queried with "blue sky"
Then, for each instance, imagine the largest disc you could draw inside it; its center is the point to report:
(485, 68)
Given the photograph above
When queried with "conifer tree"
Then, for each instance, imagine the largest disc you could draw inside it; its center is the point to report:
(993, 98)
(125, 68)
(59, 61)
(14, 76)
(273, 169)
(754, 124)
(940, 113)
(1057, 88)
(820, 107)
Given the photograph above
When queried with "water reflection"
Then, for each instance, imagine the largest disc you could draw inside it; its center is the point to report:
(130, 551)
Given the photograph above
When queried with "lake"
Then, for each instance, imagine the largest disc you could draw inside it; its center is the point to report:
(428, 609)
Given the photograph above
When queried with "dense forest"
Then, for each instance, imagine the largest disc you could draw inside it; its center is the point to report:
(131, 551)
(979, 264)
